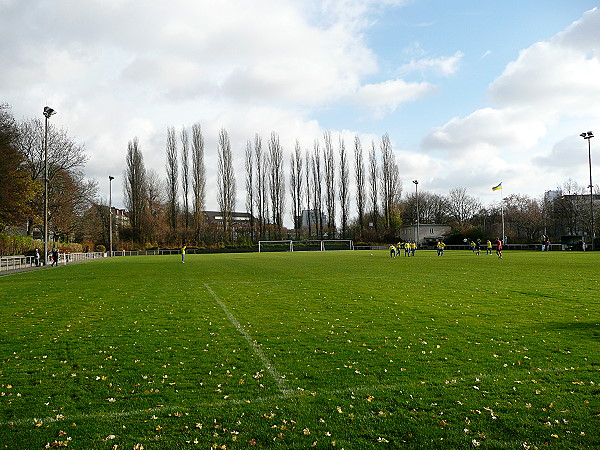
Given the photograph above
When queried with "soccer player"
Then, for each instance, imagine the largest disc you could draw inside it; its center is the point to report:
(440, 248)
(392, 251)
(499, 248)
(183, 254)
(488, 250)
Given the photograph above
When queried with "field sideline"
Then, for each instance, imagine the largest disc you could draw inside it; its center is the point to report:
(295, 350)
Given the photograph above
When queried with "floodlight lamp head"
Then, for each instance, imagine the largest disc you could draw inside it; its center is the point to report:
(48, 112)
(416, 181)
(110, 178)
(583, 135)
(590, 134)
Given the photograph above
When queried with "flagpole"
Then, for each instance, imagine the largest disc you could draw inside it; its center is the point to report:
(502, 211)
(496, 188)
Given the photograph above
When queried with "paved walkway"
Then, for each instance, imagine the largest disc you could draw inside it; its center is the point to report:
(30, 268)
(22, 269)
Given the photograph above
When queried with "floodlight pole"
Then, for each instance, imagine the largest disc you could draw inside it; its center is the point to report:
(589, 135)
(417, 198)
(110, 220)
(47, 113)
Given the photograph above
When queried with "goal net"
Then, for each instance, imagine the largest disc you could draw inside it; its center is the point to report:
(305, 246)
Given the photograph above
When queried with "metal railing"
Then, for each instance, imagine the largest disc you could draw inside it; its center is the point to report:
(27, 262)
(16, 263)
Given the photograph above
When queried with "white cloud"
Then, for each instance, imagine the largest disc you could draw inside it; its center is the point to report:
(444, 65)
(493, 128)
(563, 157)
(385, 97)
(557, 76)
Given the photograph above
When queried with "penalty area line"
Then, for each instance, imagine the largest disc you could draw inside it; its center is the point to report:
(277, 377)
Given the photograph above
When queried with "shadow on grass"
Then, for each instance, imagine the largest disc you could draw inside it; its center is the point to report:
(591, 330)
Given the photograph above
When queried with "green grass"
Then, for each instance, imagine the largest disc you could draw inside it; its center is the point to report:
(293, 350)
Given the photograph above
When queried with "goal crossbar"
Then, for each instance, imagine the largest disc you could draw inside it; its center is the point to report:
(307, 245)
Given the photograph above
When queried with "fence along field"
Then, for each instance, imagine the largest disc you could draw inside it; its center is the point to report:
(291, 350)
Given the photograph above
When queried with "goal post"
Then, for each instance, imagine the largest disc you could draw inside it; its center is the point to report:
(338, 244)
(306, 245)
(275, 246)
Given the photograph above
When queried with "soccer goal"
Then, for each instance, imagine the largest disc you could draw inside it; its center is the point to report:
(305, 246)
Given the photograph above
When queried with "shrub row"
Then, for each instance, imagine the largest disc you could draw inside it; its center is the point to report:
(11, 245)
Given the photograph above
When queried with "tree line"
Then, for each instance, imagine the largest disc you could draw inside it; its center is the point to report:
(319, 184)
(315, 188)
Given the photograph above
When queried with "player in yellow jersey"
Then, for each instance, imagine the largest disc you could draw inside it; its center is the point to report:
(440, 248)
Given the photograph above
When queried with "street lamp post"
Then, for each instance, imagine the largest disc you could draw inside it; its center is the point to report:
(589, 135)
(47, 113)
(110, 251)
(417, 198)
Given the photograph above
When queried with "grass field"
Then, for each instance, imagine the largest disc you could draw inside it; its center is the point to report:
(348, 350)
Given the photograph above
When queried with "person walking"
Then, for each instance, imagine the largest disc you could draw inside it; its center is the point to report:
(36, 258)
(499, 248)
(54, 257)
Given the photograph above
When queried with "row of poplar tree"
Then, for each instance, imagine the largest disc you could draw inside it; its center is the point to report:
(322, 179)
(318, 181)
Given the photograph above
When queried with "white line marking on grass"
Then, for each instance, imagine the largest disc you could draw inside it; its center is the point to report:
(166, 409)
(279, 380)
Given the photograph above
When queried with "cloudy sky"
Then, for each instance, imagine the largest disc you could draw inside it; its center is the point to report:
(471, 93)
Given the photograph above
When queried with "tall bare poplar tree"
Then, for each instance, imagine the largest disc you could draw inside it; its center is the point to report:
(296, 181)
(198, 178)
(135, 188)
(154, 219)
(185, 179)
(276, 181)
(343, 187)
(250, 200)
(317, 173)
(308, 191)
(172, 184)
(227, 188)
(329, 171)
(359, 170)
(261, 186)
(374, 185)
(391, 187)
